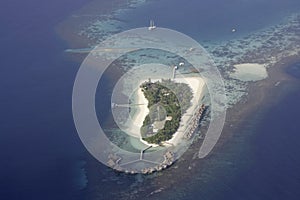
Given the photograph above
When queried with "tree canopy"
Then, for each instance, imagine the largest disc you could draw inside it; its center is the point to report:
(174, 97)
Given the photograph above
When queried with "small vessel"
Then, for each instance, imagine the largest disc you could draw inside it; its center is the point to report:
(152, 26)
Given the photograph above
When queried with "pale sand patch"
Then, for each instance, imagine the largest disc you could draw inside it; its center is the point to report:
(140, 114)
(250, 72)
(143, 109)
(197, 85)
(136, 121)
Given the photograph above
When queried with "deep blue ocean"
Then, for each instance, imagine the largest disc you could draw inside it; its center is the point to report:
(274, 172)
(38, 141)
(41, 154)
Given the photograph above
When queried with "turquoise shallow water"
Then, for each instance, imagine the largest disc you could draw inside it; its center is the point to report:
(225, 172)
(42, 154)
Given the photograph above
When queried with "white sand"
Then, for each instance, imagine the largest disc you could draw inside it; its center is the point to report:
(140, 114)
(197, 85)
(143, 109)
(249, 72)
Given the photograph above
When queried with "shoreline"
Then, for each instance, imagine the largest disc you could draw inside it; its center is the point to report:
(139, 115)
(237, 119)
(197, 86)
(239, 115)
(195, 83)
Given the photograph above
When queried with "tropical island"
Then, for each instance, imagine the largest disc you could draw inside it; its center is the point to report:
(164, 114)
(167, 102)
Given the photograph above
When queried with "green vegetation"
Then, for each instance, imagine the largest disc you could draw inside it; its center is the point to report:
(168, 100)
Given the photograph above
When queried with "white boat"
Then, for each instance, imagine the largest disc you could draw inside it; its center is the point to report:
(152, 26)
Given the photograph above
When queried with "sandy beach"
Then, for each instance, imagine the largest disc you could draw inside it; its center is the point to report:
(238, 118)
(137, 119)
(196, 84)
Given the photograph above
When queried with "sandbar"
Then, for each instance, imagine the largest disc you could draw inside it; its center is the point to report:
(249, 72)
